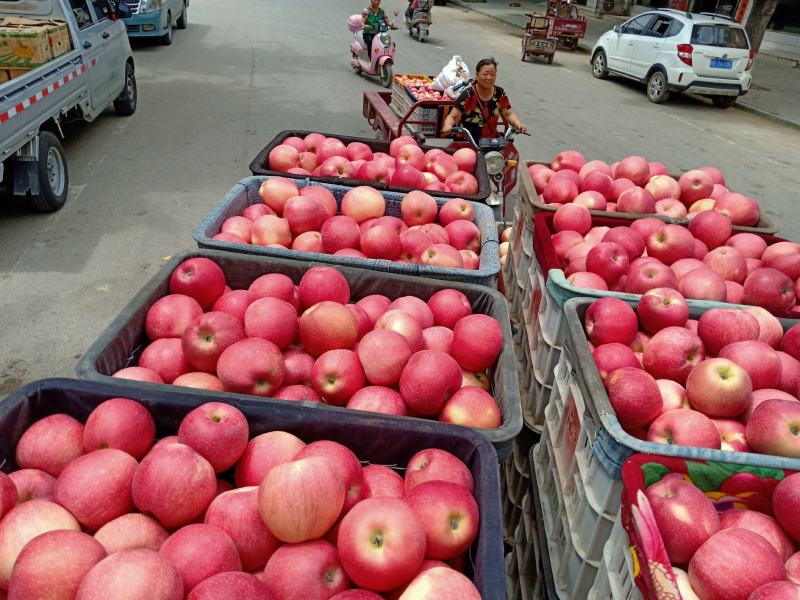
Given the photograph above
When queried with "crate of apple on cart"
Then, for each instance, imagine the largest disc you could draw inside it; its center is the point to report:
(433, 349)
(398, 165)
(234, 488)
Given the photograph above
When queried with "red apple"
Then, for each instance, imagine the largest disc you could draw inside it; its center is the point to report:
(251, 366)
(230, 586)
(171, 315)
(320, 284)
(348, 465)
(611, 320)
(670, 243)
(428, 380)
(382, 482)
(776, 590)
(137, 574)
(418, 208)
(610, 357)
(741, 209)
(96, 487)
(758, 359)
(174, 484)
(673, 353)
(201, 278)
(673, 395)
(718, 387)
(434, 464)
(785, 502)
(728, 263)
(636, 200)
(264, 452)
(120, 423)
(609, 260)
(635, 168)
(684, 427)
(53, 564)
(749, 244)
(199, 551)
(477, 342)
(466, 159)
(217, 431)
(129, 531)
(138, 374)
(472, 407)
(719, 327)
(685, 516)
(50, 444)
(327, 326)
(300, 500)
(311, 569)
(772, 429)
(383, 354)
(634, 396)
(381, 543)
(733, 563)
(25, 522)
(763, 525)
(449, 516)
(438, 582)
(712, 228)
(647, 276)
(378, 399)
(400, 321)
(662, 307)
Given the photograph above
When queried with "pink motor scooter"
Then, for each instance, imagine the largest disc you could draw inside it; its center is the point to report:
(380, 63)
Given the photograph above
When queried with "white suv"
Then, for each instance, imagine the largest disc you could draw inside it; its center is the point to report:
(675, 51)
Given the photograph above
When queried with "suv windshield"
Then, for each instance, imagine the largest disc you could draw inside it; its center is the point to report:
(722, 36)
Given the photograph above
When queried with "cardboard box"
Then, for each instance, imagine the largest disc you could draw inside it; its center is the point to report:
(29, 43)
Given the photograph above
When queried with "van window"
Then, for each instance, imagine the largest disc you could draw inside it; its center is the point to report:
(722, 36)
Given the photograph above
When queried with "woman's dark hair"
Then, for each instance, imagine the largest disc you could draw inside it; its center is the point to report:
(485, 63)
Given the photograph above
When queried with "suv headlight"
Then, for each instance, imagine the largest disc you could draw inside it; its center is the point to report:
(150, 5)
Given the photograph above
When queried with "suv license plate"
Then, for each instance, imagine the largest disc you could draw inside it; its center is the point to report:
(718, 63)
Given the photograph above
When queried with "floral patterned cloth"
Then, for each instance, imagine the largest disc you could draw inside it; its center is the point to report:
(479, 117)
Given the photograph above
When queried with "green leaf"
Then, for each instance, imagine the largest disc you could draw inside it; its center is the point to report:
(710, 476)
(653, 472)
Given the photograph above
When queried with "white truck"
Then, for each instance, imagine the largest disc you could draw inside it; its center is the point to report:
(97, 72)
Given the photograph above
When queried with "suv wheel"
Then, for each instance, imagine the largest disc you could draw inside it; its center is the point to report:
(724, 101)
(657, 87)
(600, 65)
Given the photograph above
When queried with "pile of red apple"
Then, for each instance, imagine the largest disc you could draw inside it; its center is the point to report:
(634, 185)
(729, 380)
(99, 511)
(310, 342)
(424, 92)
(307, 220)
(407, 81)
(704, 261)
(730, 553)
(406, 166)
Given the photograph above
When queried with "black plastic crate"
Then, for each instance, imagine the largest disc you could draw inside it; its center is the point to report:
(371, 437)
(121, 343)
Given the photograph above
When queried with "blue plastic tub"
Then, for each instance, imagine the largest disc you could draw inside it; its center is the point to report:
(245, 193)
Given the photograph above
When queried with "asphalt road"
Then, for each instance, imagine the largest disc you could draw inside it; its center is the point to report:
(246, 70)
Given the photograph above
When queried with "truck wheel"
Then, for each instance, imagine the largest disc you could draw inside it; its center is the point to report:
(183, 20)
(125, 104)
(53, 175)
(166, 39)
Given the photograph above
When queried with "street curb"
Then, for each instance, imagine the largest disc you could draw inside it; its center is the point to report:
(767, 115)
(751, 109)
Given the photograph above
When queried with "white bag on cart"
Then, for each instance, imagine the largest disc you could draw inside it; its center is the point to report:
(454, 73)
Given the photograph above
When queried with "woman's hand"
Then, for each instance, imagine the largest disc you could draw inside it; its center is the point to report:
(520, 126)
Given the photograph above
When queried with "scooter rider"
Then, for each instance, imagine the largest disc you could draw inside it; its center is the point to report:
(371, 19)
(480, 107)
